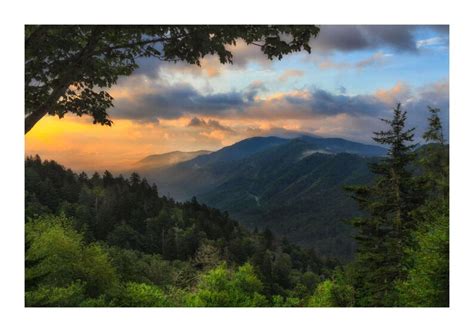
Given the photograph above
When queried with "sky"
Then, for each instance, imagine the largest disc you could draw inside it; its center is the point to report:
(353, 76)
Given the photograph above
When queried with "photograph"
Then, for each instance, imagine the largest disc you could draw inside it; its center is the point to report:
(211, 165)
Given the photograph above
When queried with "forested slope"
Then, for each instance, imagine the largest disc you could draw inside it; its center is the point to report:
(296, 191)
(106, 240)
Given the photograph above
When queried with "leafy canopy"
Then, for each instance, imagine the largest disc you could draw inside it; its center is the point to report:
(60, 268)
(221, 287)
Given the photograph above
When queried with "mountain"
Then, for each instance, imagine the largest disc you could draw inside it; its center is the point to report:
(242, 149)
(157, 161)
(203, 173)
(292, 186)
(297, 193)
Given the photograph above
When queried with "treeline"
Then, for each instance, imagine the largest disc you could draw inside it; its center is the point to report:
(113, 241)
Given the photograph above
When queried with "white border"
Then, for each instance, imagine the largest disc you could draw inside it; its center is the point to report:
(13, 17)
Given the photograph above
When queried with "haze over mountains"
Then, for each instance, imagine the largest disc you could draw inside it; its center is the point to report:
(158, 161)
(292, 186)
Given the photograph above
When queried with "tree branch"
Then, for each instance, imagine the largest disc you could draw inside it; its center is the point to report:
(141, 43)
(64, 82)
(32, 118)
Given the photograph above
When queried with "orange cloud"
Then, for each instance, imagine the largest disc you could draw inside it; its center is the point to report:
(394, 94)
(289, 73)
(378, 58)
(281, 95)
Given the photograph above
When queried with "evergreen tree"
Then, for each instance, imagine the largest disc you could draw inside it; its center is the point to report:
(384, 231)
(435, 161)
(435, 129)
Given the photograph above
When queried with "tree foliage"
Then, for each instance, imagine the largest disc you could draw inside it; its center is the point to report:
(335, 292)
(60, 268)
(223, 288)
(143, 295)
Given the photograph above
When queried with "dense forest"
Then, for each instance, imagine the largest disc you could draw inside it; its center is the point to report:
(108, 240)
(103, 240)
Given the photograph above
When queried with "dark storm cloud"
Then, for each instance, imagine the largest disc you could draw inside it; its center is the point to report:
(358, 37)
(172, 102)
(322, 102)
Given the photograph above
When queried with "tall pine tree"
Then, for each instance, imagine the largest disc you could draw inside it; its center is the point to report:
(384, 230)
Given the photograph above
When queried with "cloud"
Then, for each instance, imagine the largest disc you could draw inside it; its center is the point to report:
(243, 54)
(196, 122)
(359, 37)
(210, 67)
(206, 111)
(433, 42)
(440, 28)
(399, 92)
(210, 124)
(323, 102)
(376, 59)
(155, 69)
(327, 63)
(289, 73)
(257, 85)
(174, 101)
